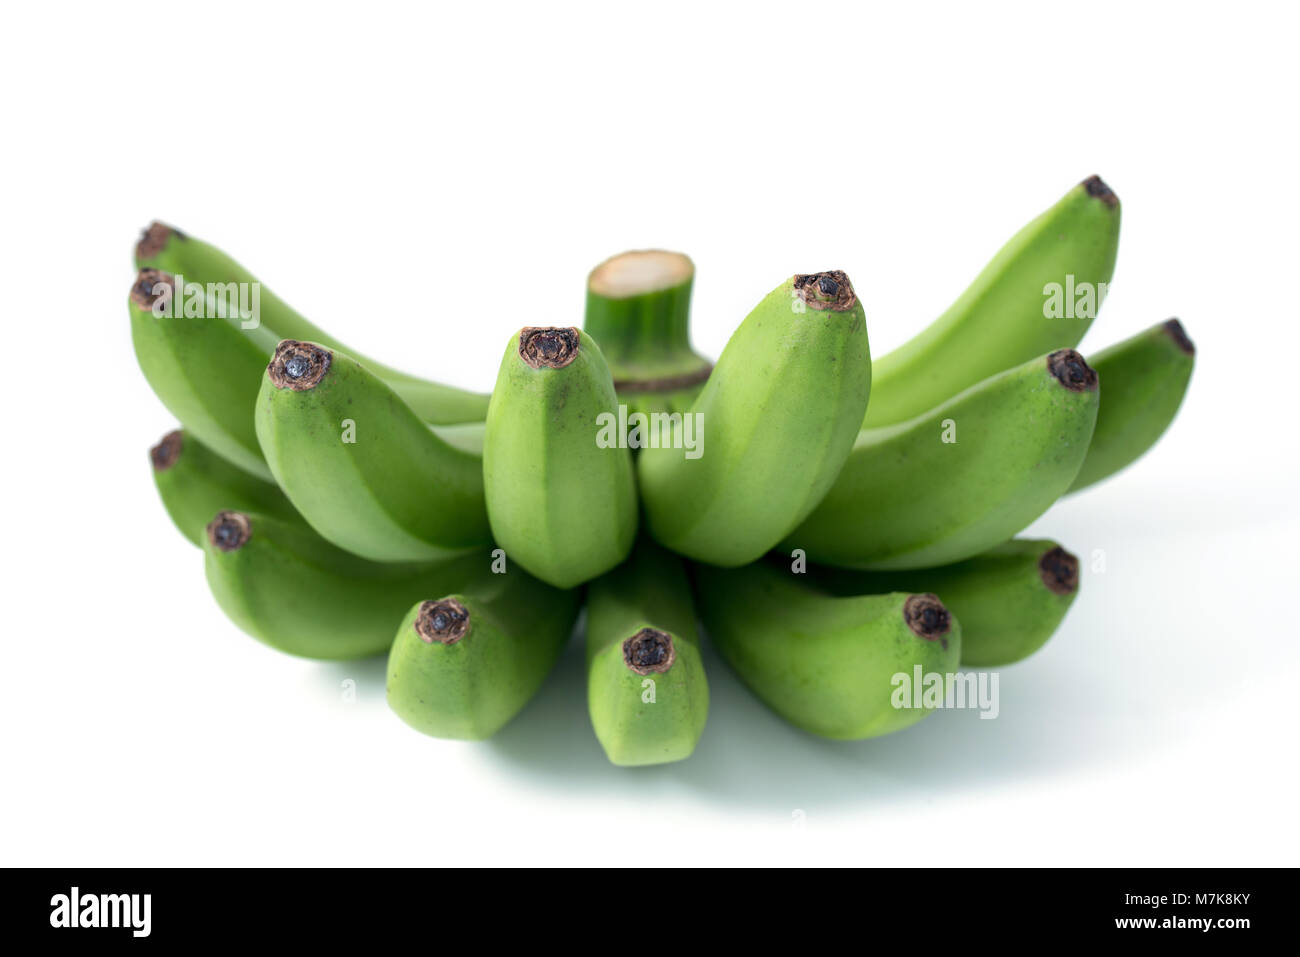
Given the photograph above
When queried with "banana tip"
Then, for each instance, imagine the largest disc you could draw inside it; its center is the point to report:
(229, 531)
(826, 290)
(298, 365)
(549, 347)
(1072, 371)
(649, 652)
(1097, 188)
(154, 239)
(167, 451)
(442, 622)
(1059, 571)
(151, 285)
(927, 617)
(1177, 333)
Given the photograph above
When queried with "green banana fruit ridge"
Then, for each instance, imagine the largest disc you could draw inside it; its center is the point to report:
(1010, 600)
(168, 249)
(1146, 379)
(826, 664)
(286, 586)
(363, 469)
(205, 370)
(907, 498)
(780, 411)
(560, 505)
(1000, 320)
(646, 689)
(462, 666)
(195, 483)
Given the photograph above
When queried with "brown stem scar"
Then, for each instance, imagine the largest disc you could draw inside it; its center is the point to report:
(154, 239)
(151, 285)
(229, 531)
(927, 617)
(166, 452)
(1097, 188)
(298, 365)
(444, 622)
(1176, 332)
(826, 290)
(551, 347)
(1072, 371)
(649, 652)
(1059, 571)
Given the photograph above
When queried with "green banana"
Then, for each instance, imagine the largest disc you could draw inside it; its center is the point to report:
(561, 501)
(360, 466)
(163, 247)
(646, 689)
(638, 311)
(1146, 379)
(961, 478)
(1009, 600)
(781, 408)
(1005, 316)
(826, 664)
(463, 665)
(285, 585)
(205, 370)
(195, 483)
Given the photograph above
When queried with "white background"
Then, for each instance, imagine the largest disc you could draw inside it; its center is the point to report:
(382, 169)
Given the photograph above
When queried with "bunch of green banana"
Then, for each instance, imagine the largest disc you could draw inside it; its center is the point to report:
(646, 689)
(561, 501)
(462, 665)
(780, 411)
(827, 664)
(959, 479)
(1146, 378)
(358, 463)
(638, 310)
(165, 248)
(1008, 314)
(1009, 600)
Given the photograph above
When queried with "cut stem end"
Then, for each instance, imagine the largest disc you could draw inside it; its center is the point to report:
(166, 452)
(230, 531)
(927, 617)
(444, 622)
(826, 290)
(1059, 571)
(1177, 333)
(1072, 371)
(549, 347)
(298, 365)
(1097, 188)
(649, 652)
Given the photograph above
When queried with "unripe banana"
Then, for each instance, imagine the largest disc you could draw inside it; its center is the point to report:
(360, 465)
(1001, 319)
(1146, 379)
(162, 247)
(285, 585)
(780, 412)
(638, 311)
(961, 478)
(646, 688)
(205, 370)
(1009, 600)
(463, 665)
(826, 664)
(195, 483)
(561, 504)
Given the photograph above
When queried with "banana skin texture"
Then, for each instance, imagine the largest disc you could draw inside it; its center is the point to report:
(463, 665)
(908, 499)
(288, 587)
(826, 664)
(166, 248)
(363, 469)
(999, 321)
(779, 415)
(1146, 378)
(205, 371)
(1010, 600)
(559, 504)
(195, 483)
(646, 690)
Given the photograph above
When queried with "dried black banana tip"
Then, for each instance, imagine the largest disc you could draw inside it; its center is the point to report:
(1176, 332)
(826, 290)
(649, 652)
(1072, 371)
(298, 365)
(927, 617)
(229, 531)
(154, 239)
(1059, 571)
(166, 452)
(550, 347)
(443, 622)
(1097, 188)
(151, 285)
